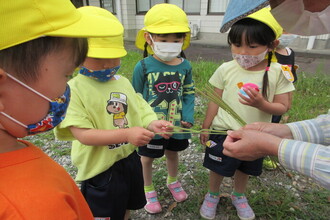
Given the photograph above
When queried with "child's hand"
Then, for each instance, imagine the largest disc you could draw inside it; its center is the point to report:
(255, 98)
(203, 138)
(186, 124)
(139, 136)
(162, 127)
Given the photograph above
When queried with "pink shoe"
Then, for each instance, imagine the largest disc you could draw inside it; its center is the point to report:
(178, 193)
(153, 205)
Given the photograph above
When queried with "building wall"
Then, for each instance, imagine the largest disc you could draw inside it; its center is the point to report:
(203, 26)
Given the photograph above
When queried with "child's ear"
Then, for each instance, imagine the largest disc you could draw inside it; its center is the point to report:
(147, 37)
(275, 43)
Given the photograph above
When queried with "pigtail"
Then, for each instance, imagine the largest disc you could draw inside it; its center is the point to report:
(183, 55)
(265, 83)
(145, 52)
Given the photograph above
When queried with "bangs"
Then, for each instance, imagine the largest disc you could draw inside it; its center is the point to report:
(24, 59)
(253, 31)
(178, 35)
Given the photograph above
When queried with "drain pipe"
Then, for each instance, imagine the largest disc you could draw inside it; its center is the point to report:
(118, 10)
(311, 41)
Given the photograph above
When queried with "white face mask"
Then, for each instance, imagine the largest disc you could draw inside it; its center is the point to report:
(286, 39)
(247, 61)
(166, 51)
(292, 16)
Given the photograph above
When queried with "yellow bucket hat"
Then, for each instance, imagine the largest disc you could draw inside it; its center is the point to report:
(105, 47)
(164, 19)
(25, 20)
(264, 16)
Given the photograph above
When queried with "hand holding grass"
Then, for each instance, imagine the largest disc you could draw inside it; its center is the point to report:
(161, 127)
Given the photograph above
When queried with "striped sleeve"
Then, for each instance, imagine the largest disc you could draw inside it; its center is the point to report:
(315, 130)
(309, 154)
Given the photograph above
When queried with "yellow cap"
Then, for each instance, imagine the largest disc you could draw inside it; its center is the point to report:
(25, 20)
(264, 16)
(164, 19)
(105, 47)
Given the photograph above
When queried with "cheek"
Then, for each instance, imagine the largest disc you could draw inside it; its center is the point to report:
(12, 128)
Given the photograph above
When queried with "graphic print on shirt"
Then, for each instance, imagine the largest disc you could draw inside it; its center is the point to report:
(117, 105)
(166, 87)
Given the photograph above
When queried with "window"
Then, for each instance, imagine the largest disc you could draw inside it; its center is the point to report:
(189, 6)
(217, 6)
(107, 4)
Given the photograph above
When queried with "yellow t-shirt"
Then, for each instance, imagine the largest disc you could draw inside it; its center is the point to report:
(228, 76)
(95, 104)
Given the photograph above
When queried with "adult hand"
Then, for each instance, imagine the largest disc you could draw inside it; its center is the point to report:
(250, 145)
(279, 130)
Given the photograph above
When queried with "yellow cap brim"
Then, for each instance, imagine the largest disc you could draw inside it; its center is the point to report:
(107, 53)
(90, 26)
(28, 20)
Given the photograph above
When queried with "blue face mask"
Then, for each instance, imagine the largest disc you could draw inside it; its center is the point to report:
(56, 113)
(100, 75)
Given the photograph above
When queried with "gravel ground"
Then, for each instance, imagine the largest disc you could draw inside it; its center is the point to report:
(191, 159)
(192, 177)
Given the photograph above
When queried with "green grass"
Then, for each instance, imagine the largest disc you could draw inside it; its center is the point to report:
(269, 199)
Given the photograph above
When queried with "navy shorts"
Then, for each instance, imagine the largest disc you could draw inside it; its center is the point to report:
(111, 193)
(223, 165)
(156, 147)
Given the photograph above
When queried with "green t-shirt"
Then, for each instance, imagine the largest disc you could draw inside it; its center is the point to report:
(102, 105)
(227, 78)
(169, 89)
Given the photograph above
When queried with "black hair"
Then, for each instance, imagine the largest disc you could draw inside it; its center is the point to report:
(23, 60)
(255, 32)
(178, 35)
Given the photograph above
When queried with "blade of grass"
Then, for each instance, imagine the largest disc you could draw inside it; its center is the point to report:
(211, 95)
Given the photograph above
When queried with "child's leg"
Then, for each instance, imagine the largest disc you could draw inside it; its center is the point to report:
(244, 211)
(147, 170)
(153, 205)
(211, 200)
(154, 149)
(127, 215)
(240, 182)
(172, 163)
(219, 165)
(215, 181)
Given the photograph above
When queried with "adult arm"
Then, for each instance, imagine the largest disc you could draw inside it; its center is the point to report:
(308, 154)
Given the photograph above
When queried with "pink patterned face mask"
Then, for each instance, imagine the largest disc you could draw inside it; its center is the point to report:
(247, 61)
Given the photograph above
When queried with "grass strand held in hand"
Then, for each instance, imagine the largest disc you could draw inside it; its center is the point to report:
(181, 130)
(209, 93)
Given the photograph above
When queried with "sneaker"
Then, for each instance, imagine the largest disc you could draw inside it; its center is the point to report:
(269, 164)
(153, 206)
(209, 206)
(243, 208)
(177, 192)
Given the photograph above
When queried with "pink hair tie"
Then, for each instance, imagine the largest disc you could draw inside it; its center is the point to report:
(267, 68)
